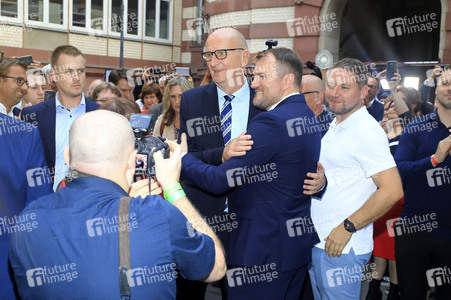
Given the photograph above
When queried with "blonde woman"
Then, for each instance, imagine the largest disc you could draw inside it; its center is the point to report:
(168, 124)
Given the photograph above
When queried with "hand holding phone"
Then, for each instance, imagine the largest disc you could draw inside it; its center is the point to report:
(392, 68)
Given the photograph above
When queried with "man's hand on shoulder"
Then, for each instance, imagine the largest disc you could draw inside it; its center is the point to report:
(238, 146)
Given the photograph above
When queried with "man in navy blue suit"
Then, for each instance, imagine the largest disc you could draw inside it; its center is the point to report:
(373, 104)
(55, 116)
(226, 54)
(23, 173)
(270, 250)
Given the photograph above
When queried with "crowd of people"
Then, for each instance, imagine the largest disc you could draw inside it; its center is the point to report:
(285, 186)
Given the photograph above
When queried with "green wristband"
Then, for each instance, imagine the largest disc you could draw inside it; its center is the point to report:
(175, 196)
(172, 189)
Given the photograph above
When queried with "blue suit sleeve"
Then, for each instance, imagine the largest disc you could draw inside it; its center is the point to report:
(217, 179)
(209, 156)
(409, 166)
(36, 160)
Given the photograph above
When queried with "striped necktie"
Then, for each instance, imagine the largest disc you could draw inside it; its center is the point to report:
(226, 119)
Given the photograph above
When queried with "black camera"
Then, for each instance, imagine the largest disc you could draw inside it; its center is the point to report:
(271, 43)
(146, 145)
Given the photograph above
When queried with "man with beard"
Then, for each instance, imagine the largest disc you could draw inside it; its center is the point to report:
(363, 184)
(268, 252)
(423, 235)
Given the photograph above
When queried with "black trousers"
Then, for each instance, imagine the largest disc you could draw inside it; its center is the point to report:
(423, 261)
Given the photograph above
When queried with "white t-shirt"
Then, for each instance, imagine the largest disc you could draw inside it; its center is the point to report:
(351, 152)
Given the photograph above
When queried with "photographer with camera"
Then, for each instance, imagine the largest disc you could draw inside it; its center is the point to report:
(79, 259)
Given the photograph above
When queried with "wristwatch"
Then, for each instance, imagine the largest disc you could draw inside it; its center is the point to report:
(349, 226)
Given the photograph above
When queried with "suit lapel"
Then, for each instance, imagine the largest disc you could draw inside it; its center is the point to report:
(211, 110)
(49, 120)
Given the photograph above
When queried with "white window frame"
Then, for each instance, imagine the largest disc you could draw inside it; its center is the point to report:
(87, 29)
(10, 20)
(157, 23)
(128, 36)
(45, 24)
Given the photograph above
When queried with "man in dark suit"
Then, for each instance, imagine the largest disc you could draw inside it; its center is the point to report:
(373, 104)
(200, 118)
(23, 173)
(55, 116)
(269, 251)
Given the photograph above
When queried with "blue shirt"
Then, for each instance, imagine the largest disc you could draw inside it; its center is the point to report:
(240, 108)
(63, 122)
(24, 177)
(427, 190)
(73, 252)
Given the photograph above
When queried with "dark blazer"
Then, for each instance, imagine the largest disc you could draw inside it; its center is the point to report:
(201, 103)
(268, 181)
(23, 178)
(43, 116)
(377, 110)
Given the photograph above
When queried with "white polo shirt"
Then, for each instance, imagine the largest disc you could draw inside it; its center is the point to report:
(351, 152)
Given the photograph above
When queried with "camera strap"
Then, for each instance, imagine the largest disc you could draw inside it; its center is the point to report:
(124, 248)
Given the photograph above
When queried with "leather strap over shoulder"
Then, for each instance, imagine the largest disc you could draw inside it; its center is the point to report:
(124, 247)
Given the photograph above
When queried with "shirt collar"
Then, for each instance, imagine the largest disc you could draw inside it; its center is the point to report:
(242, 93)
(274, 106)
(354, 117)
(58, 103)
(3, 110)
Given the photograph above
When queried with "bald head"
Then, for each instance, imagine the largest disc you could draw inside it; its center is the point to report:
(100, 140)
(312, 83)
(227, 72)
(314, 88)
(231, 35)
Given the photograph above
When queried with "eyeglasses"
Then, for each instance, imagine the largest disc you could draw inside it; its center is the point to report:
(310, 92)
(372, 86)
(20, 81)
(220, 54)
